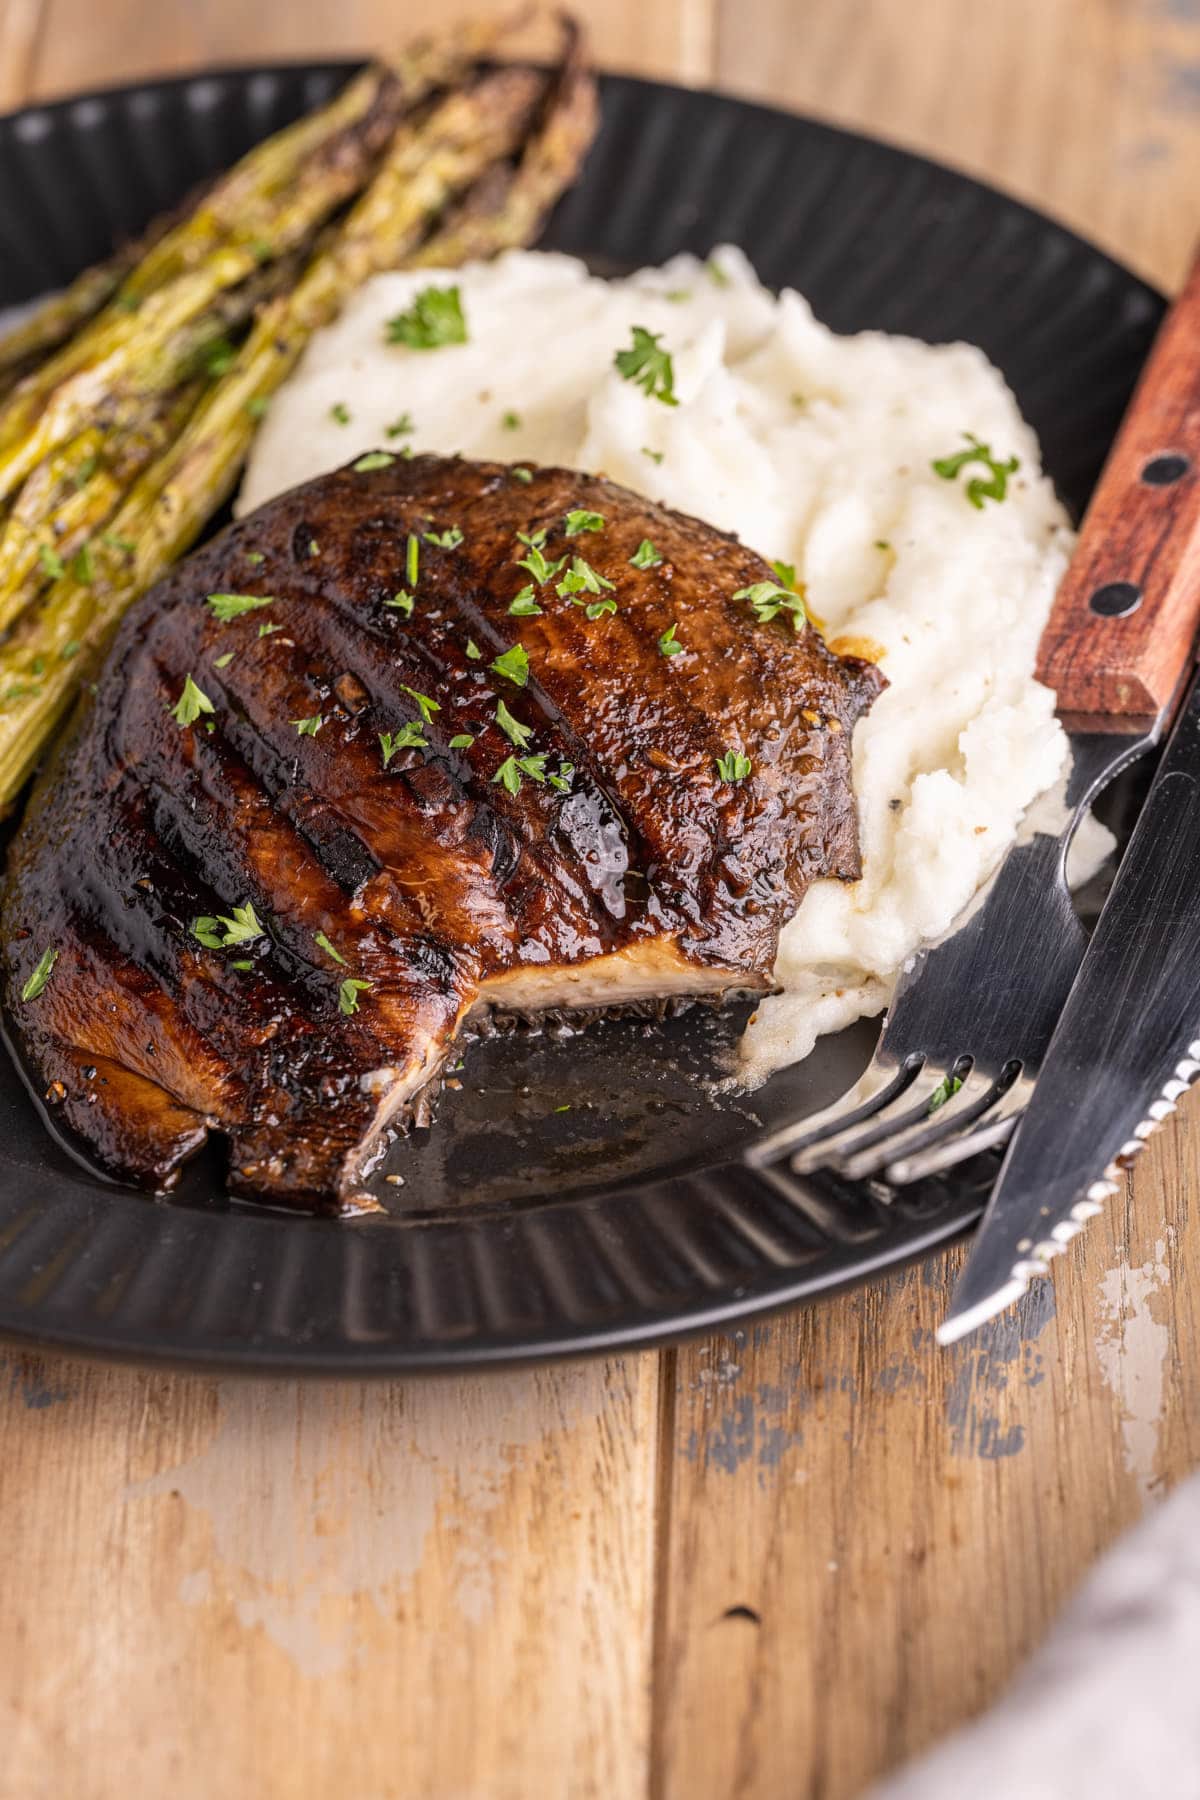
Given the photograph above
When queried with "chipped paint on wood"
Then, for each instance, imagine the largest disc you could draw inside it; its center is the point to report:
(318, 1496)
(735, 1421)
(1000, 1355)
(39, 1381)
(1132, 1347)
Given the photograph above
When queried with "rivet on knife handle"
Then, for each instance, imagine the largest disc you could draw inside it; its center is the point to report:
(1120, 636)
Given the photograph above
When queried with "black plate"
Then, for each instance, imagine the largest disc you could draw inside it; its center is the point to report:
(523, 1230)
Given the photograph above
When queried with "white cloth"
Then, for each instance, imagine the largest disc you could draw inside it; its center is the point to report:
(1109, 1707)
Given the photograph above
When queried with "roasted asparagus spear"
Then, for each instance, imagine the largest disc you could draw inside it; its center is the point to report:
(436, 159)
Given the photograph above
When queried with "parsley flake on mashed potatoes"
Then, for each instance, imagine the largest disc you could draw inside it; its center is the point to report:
(818, 451)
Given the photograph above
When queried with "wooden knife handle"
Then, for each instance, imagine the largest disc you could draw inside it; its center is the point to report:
(1123, 626)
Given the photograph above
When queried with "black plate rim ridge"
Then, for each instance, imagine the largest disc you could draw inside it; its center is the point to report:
(303, 67)
(98, 1271)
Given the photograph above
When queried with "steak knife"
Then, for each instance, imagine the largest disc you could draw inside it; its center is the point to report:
(1119, 1054)
(1125, 1048)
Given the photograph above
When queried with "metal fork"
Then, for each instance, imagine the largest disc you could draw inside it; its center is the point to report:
(970, 1019)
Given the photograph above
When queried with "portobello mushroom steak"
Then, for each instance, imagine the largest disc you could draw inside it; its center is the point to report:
(420, 739)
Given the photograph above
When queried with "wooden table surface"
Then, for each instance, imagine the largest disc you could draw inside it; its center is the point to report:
(771, 1563)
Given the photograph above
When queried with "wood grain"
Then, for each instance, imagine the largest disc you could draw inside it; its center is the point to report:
(20, 21)
(1123, 671)
(670, 37)
(848, 1538)
(243, 1588)
(905, 1521)
(1089, 109)
(867, 1533)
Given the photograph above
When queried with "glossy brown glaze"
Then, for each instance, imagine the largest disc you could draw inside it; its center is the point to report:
(637, 866)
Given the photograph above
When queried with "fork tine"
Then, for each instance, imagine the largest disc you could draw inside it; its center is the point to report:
(907, 1107)
(957, 1113)
(995, 1128)
(879, 1083)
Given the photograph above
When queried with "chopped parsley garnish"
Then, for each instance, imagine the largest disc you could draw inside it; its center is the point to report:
(769, 601)
(677, 296)
(525, 605)
(581, 578)
(409, 737)
(580, 520)
(449, 539)
(309, 727)
(339, 412)
(787, 575)
(513, 767)
(511, 421)
(655, 456)
(882, 544)
(474, 653)
(374, 459)
(257, 406)
(401, 603)
(425, 705)
(124, 544)
(255, 556)
(513, 729)
(980, 488)
(519, 474)
(733, 766)
(668, 643)
(191, 703)
(314, 549)
(562, 781)
(412, 559)
(222, 932)
(348, 994)
(646, 556)
(716, 274)
(323, 943)
(596, 609)
(41, 975)
(945, 1090)
(244, 926)
(241, 966)
(51, 562)
(647, 366)
(232, 606)
(82, 568)
(218, 358)
(508, 775)
(223, 662)
(435, 318)
(513, 665)
(71, 649)
(400, 427)
(462, 741)
(534, 539)
(267, 628)
(85, 471)
(541, 570)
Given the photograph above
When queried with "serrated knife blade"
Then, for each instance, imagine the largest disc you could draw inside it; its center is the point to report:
(1126, 1046)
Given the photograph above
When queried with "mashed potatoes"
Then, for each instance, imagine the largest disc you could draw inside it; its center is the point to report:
(817, 450)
